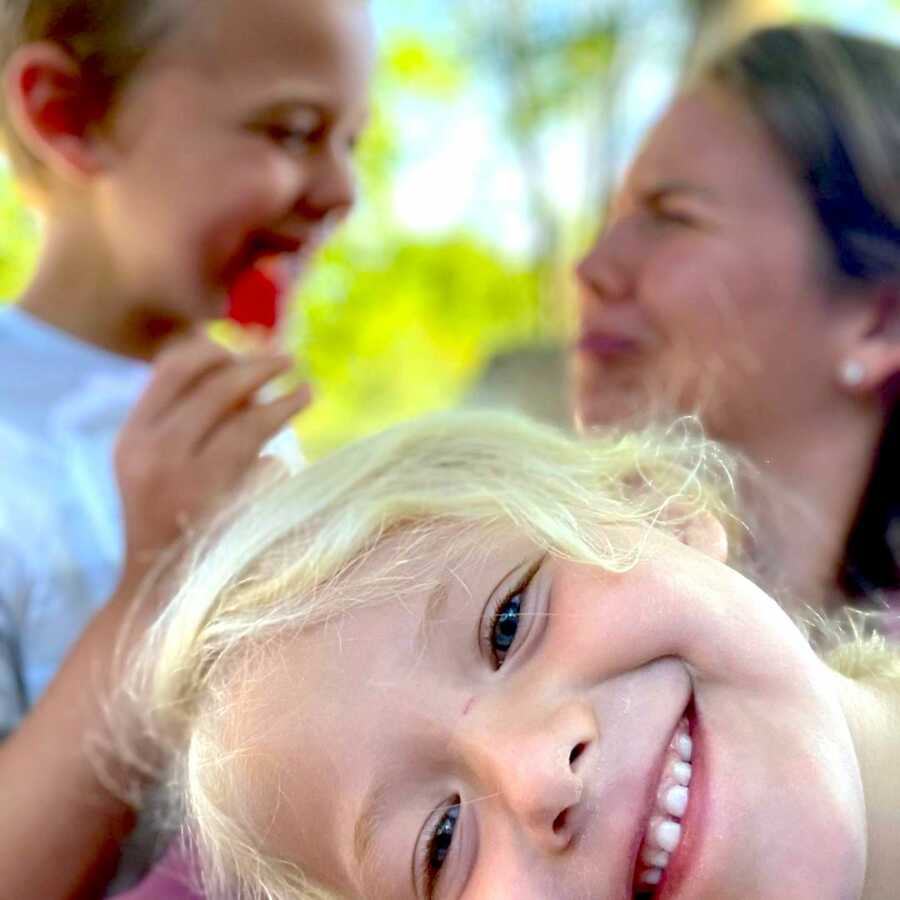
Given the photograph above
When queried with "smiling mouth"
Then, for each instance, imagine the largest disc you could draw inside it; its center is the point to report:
(663, 831)
(604, 345)
(264, 246)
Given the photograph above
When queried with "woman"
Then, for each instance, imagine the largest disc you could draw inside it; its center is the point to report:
(748, 271)
(475, 658)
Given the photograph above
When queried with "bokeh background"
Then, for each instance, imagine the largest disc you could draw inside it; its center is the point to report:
(499, 128)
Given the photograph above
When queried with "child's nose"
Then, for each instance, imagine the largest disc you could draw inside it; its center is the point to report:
(536, 766)
(330, 186)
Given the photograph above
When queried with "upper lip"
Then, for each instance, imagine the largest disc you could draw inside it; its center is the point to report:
(267, 243)
(271, 243)
(645, 811)
(641, 800)
(609, 337)
(604, 341)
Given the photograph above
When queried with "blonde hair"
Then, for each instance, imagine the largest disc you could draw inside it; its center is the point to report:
(295, 555)
(109, 39)
(292, 557)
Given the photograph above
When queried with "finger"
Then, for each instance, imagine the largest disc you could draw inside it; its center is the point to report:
(261, 473)
(220, 395)
(176, 373)
(237, 443)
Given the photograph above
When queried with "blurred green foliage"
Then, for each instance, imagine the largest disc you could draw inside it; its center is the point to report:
(18, 239)
(391, 324)
(405, 330)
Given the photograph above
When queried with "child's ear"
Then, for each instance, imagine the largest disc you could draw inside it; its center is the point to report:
(872, 355)
(54, 110)
(704, 532)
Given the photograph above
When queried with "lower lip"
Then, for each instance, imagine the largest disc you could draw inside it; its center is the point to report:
(606, 346)
(684, 860)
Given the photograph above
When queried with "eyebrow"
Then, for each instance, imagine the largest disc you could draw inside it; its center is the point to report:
(287, 107)
(315, 100)
(364, 833)
(665, 188)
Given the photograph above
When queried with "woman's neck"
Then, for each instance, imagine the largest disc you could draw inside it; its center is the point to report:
(804, 497)
(77, 290)
(873, 714)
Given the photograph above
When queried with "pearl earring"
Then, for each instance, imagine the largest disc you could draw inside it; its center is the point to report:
(853, 373)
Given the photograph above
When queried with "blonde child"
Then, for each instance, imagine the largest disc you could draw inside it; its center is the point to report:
(173, 149)
(474, 658)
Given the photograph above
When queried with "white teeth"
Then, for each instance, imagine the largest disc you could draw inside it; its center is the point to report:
(673, 796)
(685, 747)
(655, 858)
(676, 800)
(666, 834)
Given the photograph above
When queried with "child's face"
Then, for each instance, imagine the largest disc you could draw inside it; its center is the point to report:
(234, 142)
(424, 749)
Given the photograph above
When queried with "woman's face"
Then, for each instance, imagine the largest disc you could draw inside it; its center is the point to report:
(518, 729)
(705, 291)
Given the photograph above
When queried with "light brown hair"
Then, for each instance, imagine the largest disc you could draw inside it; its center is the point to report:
(109, 39)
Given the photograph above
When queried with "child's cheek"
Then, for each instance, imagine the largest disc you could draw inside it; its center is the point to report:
(269, 188)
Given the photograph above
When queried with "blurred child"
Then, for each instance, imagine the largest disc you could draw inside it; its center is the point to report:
(172, 150)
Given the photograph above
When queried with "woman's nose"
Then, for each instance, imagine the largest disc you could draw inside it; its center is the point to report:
(537, 766)
(603, 273)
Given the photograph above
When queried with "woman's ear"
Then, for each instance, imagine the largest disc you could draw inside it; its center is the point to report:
(704, 532)
(54, 110)
(872, 357)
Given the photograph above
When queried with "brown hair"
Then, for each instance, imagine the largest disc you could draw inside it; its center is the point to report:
(831, 102)
(109, 39)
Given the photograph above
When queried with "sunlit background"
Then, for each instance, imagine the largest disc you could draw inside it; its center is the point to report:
(499, 128)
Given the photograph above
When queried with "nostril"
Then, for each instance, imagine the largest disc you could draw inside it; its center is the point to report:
(577, 750)
(559, 823)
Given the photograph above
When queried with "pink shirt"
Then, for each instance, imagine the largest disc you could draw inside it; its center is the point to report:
(172, 879)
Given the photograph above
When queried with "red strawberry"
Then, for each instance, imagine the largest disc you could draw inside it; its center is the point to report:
(254, 300)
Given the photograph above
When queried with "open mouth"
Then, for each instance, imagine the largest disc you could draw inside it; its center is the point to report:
(261, 248)
(664, 826)
(261, 276)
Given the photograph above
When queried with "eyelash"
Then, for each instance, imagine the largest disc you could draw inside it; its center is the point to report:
(283, 135)
(500, 610)
(432, 872)
(671, 216)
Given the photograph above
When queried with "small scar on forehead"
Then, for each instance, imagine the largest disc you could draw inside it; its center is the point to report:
(467, 707)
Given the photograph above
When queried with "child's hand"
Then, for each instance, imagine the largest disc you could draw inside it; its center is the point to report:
(192, 438)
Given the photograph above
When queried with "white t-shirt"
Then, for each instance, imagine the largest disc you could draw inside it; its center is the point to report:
(62, 403)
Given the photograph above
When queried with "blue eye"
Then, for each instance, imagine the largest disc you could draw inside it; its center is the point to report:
(505, 626)
(439, 846)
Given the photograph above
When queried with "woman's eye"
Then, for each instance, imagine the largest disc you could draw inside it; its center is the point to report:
(439, 847)
(671, 216)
